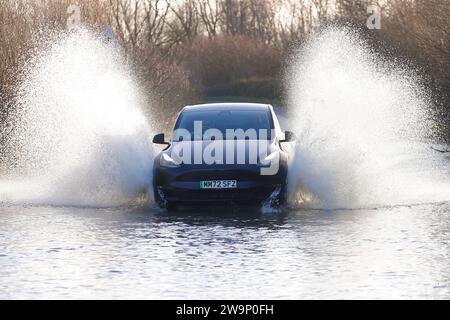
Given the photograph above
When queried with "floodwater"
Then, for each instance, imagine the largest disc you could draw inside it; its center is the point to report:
(81, 141)
(81, 253)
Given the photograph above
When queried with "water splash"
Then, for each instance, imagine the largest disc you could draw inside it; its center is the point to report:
(272, 203)
(79, 136)
(364, 129)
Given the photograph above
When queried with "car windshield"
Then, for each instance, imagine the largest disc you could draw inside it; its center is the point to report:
(255, 123)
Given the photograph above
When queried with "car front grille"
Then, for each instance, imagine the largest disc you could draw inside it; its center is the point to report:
(229, 195)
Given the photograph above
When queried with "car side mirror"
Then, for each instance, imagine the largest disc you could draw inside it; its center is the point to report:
(289, 136)
(159, 139)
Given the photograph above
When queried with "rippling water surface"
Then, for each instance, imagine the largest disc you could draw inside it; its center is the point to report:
(395, 252)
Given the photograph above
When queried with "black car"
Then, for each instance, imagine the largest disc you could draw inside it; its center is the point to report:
(223, 153)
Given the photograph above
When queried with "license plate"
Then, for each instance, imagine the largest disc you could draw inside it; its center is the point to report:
(218, 184)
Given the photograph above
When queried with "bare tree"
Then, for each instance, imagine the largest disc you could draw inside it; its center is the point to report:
(155, 17)
(421, 30)
(185, 24)
(127, 22)
(297, 23)
(211, 14)
(322, 9)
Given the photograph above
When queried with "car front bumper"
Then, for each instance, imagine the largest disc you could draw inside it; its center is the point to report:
(182, 185)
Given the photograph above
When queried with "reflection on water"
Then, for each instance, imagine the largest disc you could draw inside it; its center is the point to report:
(398, 252)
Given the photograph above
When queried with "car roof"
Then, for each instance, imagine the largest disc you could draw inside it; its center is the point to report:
(226, 106)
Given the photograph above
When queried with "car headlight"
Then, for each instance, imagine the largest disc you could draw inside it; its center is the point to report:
(166, 161)
(267, 161)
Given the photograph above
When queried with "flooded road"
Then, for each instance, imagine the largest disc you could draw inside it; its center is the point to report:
(395, 252)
